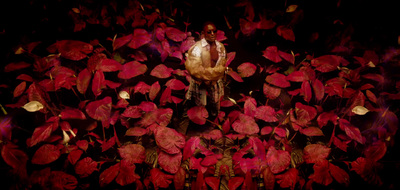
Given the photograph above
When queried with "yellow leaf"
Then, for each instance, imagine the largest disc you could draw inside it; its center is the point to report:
(232, 100)
(124, 95)
(360, 110)
(76, 10)
(33, 106)
(65, 138)
(19, 51)
(291, 8)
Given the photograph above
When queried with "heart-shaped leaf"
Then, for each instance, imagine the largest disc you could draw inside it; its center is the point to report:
(198, 115)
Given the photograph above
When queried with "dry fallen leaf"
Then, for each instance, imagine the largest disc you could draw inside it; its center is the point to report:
(33, 106)
(360, 110)
(124, 95)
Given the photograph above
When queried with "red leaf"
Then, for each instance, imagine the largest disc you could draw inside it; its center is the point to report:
(189, 42)
(235, 76)
(212, 135)
(74, 156)
(136, 131)
(198, 115)
(46, 154)
(82, 144)
(14, 157)
(211, 160)
(19, 90)
(314, 153)
(269, 179)
(175, 34)
(296, 76)
(126, 174)
(278, 79)
(376, 77)
(62, 180)
(95, 60)
(140, 37)
(245, 125)
(371, 96)
(339, 174)
(306, 91)
(109, 65)
(160, 179)
(35, 92)
(271, 53)
(169, 140)
(175, 84)
(338, 143)
(16, 66)
(311, 131)
(166, 97)
(121, 41)
(43, 132)
(319, 89)
(213, 182)
(246, 69)
(132, 69)
(154, 89)
(250, 106)
(266, 130)
(266, 113)
(98, 83)
(6, 128)
(265, 24)
(271, 92)
(107, 144)
(72, 113)
(351, 131)
(132, 112)
(288, 179)
(285, 32)
(170, 162)
(321, 173)
(304, 113)
(85, 167)
(287, 56)
(230, 57)
(375, 151)
(179, 179)
(109, 174)
(278, 160)
(141, 87)
(83, 80)
(190, 147)
(100, 109)
(247, 27)
(326, 63)
(73, 49)
(161, 71)
(133, 153)
(25, 77)
(235, 182)
(325, 117)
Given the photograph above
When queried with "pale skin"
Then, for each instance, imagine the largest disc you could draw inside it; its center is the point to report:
(202, 68)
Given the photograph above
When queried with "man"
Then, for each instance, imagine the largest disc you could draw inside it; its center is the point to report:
(205, 63)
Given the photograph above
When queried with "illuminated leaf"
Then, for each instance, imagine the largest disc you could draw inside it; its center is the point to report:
(161, 71)
(319, 89)
(321, 173)
(278, 160)
(198, 114)
(140, 37)
(235, 76)
(141, 87)
(288, 179)
(43, 132)
(175, 84)
(213, 182)
(246, 69)
(72, 113)
(132, 112)
(170, 162)
(351, 131)
(73, 49)
(175, 34)
(360, 110)
(278, 80)
(306, 91)
(271, 92)
(245, 125)
(83, 80)
(339, 174)
(33, 106)
(271, 53)
(230, 57)
(311, 131)
(291, 8)
(109, 174)
(154, 89)
(169, 140)
(268, 178)
(127, 173)
(179, 179)
(132, 69)
(121, 41)
(314, 153)
(326, 63)
(133, 153)
(85, 167)
(74, 156)
(160, 179)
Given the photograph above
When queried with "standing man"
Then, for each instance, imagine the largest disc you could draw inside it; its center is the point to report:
(206, 63)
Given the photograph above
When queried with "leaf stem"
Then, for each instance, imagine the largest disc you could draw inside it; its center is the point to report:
(3, 110)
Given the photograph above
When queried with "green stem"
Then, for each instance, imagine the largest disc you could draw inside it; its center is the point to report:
(3, 110)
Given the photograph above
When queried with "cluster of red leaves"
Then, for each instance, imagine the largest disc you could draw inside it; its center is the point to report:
(270, 132)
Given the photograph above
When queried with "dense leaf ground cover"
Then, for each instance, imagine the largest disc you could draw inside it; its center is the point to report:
(92, 96)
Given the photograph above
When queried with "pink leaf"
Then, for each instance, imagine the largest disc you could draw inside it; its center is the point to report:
(100, 109)
(98, 83)
(127, 173)
(245, 125)
(306, 91)
(166, 97)
(136, 131)
(311, 131)
(141, 87)
(190, 147)
(321, 173)
(72, 113)
(288, 179)
(213, 182)
(278, 160)
(246, 69)
(266, 130)
(271, 53)
(154, 89)
(170, 162)
(266, 113)
(175, 84)
(278, 79)
(351, 131)
(271, 92)
(74, 156)
(169, 140)
(235, 182)
(179, 179)
(319, 89)
(198, 114)
(132, 112)
(339, 174)
(109, 65)
(133, 153)
(175, 34)
(161, 71)
(73, 49)
(46, 154)
(287, 56)
(296, 76)
(250, 106)
(85, 167)
(230, 57)
(132, 69)
(314, 153)
(140, 37)
(235, 76)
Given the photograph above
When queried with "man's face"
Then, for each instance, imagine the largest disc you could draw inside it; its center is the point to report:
(209, 32)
